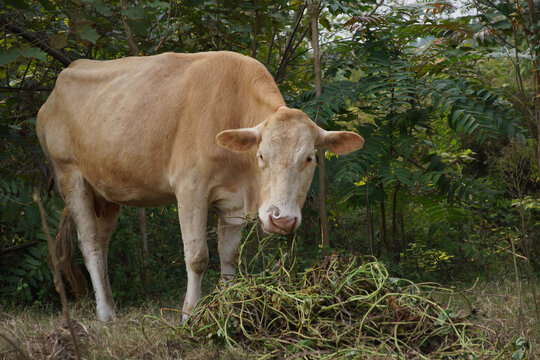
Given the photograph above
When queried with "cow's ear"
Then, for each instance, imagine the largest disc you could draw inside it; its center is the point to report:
(238, 140)
(339, 142)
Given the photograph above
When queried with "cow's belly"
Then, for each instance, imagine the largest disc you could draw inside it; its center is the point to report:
(145, 200)
(134, 193)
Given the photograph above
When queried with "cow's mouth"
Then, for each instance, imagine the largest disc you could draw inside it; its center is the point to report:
(283, 226)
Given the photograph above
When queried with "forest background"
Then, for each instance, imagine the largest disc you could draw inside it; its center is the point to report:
(446, 95)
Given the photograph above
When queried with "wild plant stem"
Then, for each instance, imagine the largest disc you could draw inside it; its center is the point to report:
(59, 284)
(23, 354)
(518, 283)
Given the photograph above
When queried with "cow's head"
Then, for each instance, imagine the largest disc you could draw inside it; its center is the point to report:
(285, 145)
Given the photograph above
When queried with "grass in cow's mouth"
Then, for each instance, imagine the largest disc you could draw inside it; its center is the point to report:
(341, 307)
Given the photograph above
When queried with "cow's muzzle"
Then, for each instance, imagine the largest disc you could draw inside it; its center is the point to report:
(282, 225)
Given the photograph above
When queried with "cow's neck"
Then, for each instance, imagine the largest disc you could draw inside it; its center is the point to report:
(236, 197)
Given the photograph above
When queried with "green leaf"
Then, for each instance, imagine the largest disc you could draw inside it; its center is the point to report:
(32, 261)
(455, 116)
(11, 279)
(59, 41)
(404, 175)
(158, 4)
(134, 13)
(140, 27)
(325, 23)
(34, 52)
(89, 33)
(447, 105)
(518, 354)
(19, 4)
(7, 57)
(103, 9)
(193, 3)
(18, 271)
(305, 343)
(47, 5)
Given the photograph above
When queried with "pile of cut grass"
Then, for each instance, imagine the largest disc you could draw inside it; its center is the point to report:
(341, 307)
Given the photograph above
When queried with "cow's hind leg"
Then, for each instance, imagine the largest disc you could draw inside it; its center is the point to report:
(93, 233)
(106, 221)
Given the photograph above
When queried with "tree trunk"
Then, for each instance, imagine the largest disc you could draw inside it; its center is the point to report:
(535, 52)
(396, 246)
(403, 236)
(535, 42)
(255, 31)
(313, 6)
(369, 222)
(144, 249)
(127, 29)
(384, 236)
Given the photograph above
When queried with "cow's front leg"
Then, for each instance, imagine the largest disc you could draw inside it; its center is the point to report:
(193, 215)
(229, 237)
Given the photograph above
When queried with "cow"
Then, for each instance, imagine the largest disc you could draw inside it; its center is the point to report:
(200, 130)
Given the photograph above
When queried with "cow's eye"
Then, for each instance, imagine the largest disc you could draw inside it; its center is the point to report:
(309, 159)
(260, 156)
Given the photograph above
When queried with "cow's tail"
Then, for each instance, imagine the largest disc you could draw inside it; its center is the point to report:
(66, 255)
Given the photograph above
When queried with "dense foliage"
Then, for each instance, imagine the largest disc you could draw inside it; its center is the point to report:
(445, 187)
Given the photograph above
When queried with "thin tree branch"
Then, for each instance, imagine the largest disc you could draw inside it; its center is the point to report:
(271, 47)
(282, 68)
(127, 29)
(255, 33)
(59, 284)
(300, 39)
(34, 40)
(29, 88)
(519, 80)
(17, 247)
(23, 354)
(167, 31)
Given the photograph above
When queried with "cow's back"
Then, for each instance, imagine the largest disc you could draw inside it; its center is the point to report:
(129, 124)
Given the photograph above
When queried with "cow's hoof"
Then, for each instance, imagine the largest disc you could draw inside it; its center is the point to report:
(106, 315)
(185, 318)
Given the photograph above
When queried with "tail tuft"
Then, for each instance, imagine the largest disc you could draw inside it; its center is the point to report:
(66, 255)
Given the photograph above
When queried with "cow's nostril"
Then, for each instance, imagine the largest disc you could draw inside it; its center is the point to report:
(274, 211)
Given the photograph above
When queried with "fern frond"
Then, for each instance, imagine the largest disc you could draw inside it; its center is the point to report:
(373, 19)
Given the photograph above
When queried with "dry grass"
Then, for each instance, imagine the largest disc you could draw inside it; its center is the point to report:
(132, 335)
(135, 334)
(495, 305)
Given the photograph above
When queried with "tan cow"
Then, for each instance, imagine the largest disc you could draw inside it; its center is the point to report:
(144, 131)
